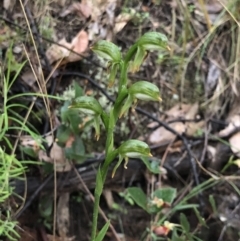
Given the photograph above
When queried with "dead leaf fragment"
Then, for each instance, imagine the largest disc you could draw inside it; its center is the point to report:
(122, 19)
(81, 9)
(79, 44)
(9, 4)
(177, 111)
(63, 215)
(162, 136)
(28, 141)
(235, 144)
(234, 122)
(108, 197)
(56, 155)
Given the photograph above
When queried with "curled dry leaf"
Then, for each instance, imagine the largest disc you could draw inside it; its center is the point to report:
(235, 144)
(29, 78)
(28, 141)
(177, 111)
(56, 155)
(107, 193)
(9, 4)
(193, 126)
(79, 45)
(212, 7)
(122, 19)
(234, 122)
(162, 136)
(212, 79)
(82, 9)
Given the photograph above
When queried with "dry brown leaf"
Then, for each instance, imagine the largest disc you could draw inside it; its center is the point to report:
(212, 151)
(56, 52)
(79, 44)
(121, 20)
(234, 122)
(101, 26)
(56, 155)
(82, 9)
(63, 215)
(162, 136)
(9, 4)
(235, 144)
(178, 111)
(42, 156)
(193, 127)
(28, 141)
(29, 78)
(70, 141)
(192, 111)
(107, 193)
(214, 73)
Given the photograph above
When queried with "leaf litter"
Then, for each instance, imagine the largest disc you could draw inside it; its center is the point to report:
(206, 85)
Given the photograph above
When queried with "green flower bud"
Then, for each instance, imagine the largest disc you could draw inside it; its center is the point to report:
(144, 90)
(153, 41)
(107, 50)
(131, 148)
(87, 105)
(134, 148)
(141, 90)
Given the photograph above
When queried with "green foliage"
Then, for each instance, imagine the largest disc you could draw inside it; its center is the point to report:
(103, 232)
(10, 167)
(139, 197)
(126, 97)
(71, 124)
(45, 209)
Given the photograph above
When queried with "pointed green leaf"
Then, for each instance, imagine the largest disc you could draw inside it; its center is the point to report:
(107, 50)
(99, 183)
(184, 222)
(134, 148)
(152, 166)
(63, 134)
(103, 232)
(76, 151)
(78, 90)
(153, 41)
(139, 197)
(200, 218)
(144, 90)
(213, 204)
(127, 104)
(87, 105)
(166, 194)
(175, 236)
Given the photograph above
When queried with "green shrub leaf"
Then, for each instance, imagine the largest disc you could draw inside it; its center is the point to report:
(166, 194)
(103, 231)
(139, 197)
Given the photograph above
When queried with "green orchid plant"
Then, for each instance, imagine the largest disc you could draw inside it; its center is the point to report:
(127, 97)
